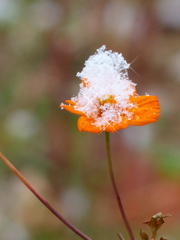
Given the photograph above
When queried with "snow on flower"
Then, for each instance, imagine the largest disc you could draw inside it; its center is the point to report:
(107, 99)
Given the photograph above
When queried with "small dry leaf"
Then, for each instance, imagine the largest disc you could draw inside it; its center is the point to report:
(156, 221)
(143, 235)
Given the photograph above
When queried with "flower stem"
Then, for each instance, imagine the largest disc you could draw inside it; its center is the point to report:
(115, 187)
(46, 204)
(154, 236)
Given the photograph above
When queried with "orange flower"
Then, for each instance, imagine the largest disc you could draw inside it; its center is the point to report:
(107, 100)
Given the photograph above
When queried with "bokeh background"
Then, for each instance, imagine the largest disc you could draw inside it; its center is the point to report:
(43, 44)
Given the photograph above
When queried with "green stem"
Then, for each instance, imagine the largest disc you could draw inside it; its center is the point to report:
(46, 204)
(115, 187)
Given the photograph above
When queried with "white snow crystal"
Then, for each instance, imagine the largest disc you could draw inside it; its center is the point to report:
(105, 96)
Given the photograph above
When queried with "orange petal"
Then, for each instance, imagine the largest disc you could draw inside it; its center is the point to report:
(85, 124)
(151, 101)
(114, 127)
(70, 102)
(146, 111)
(71, 109)
(85, 82)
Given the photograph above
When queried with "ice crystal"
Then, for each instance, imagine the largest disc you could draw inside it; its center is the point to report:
(107, 89)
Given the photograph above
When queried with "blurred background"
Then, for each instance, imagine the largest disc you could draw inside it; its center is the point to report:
(43, 44)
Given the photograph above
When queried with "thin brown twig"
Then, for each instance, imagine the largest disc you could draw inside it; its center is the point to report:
(46, 204)
(120, 236)
(121, 208)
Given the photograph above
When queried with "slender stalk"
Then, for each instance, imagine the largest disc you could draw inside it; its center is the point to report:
(46, 204)
(154, 236)
(120, 236)
(115, 187)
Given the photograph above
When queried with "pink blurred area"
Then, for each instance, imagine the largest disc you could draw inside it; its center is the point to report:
(43, 44)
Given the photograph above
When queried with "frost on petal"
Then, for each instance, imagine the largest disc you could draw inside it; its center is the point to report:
(106, 89)
(107, 99)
